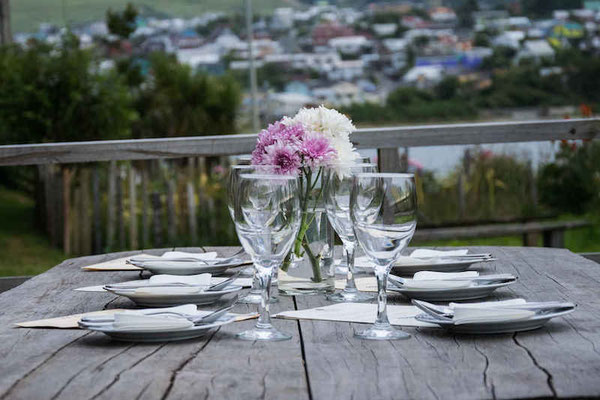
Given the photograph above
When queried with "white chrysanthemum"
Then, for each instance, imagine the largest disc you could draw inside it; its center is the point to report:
(330, 122)
(346, 154)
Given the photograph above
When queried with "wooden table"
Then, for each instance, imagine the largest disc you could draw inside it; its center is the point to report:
(322, 361)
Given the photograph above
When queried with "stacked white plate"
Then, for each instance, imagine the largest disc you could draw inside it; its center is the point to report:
(183, 263)
(447, 286)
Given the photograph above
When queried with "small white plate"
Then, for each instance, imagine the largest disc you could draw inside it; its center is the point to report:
(162, 336)
(167, 300)
(450, 294)
(189, 268)
(438, 266)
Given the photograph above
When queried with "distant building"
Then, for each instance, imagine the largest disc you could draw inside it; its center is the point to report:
(350, 45)
(535, 49)
(323, 33)
(385, 29)
(346, 70)
(510, 39)
(424, 77)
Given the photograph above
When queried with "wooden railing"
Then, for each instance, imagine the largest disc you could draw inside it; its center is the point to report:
(369, 138)
(90, 206)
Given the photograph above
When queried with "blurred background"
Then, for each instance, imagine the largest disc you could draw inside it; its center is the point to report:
(76, 70)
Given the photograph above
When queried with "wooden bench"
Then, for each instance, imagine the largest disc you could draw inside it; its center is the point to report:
(553, 232)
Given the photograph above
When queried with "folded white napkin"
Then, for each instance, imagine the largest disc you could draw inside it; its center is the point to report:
(168, 291)
(490, 311)
(431, 275)
(439, 280)
(202, 280)
(190, 309)
(129, 321)
(429, 253)
(175, 255)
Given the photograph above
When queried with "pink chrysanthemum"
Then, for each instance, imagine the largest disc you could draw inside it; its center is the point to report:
(316, 150)
(290, 135)
(284, 159)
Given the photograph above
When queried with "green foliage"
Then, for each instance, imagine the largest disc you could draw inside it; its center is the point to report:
(179, 102)
(572, 182)
(122, 23)
(56, 93)
(500, 58)
(544, 8)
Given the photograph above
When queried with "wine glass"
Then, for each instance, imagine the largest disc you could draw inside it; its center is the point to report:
(383, 208)
(338, 186)
(254, 295)
(267, 220)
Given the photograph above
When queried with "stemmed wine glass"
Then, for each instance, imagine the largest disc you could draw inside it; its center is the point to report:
(267, 220)
(383, 207)
(338, 186)
(253, 296)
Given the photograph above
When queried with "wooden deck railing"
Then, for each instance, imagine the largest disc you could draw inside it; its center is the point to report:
(90, 206)
(372, 138)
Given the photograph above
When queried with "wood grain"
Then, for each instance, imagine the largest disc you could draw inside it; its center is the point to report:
(322, 361)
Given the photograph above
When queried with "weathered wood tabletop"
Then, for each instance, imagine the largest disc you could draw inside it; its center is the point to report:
(322, 361)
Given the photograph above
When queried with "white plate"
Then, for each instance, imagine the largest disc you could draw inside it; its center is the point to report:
(439, 266)
(478, 328)
(162, 336)
(167, 300)
(186, 268)
(450, 294)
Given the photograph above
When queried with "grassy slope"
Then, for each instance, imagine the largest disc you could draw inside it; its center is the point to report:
(24, 250)
(27, 14)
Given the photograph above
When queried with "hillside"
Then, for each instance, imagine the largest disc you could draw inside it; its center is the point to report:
(28, 14)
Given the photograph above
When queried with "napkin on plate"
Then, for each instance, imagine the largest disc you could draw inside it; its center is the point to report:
(438, 280)
(429, 253)
(190, 309)
(489, 311)
(357, 312)
(128, 321)
(167, 291)
(202, 280)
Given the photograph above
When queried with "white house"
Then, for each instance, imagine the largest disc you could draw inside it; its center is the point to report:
(424, 76)
(385, 29)
(349, 44)
(510, 39)
(535, 49)
(346, 70)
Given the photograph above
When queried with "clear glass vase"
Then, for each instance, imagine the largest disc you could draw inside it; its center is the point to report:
(308, 269)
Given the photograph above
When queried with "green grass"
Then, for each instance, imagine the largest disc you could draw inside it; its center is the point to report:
(26, 15)
(24, 250)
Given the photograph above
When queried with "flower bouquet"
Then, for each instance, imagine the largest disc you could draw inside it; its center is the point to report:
(304, 145)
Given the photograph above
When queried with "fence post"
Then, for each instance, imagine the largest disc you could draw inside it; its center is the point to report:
(388, 160)
(112, 189)
(191, 202)
(66, 202)
(96, 218)
(145, 206)
(120, 219)
(86, 229)
(133, 231)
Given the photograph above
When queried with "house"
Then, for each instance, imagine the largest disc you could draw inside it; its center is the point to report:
(385, 29)
(199, 60)
(346, 70)
(340, 94)
(424, 76)
(443, 15)
(394, 45)
(283, 18)
(510, 39)
(323, 33)
(278, 105)
(349, 45)
(535, 49)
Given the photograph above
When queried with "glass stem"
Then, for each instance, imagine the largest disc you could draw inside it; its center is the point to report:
(264, 275)
(349, 249)
(255, 289)
(381, 273)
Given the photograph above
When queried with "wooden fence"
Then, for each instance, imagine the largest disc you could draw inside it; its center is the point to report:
(108, 195)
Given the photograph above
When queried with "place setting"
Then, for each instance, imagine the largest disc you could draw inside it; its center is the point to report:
(492, 317)
(166, 290)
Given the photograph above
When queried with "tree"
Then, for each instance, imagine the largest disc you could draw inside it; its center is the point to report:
(178, 102)
(122, 23)
(56, 93)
